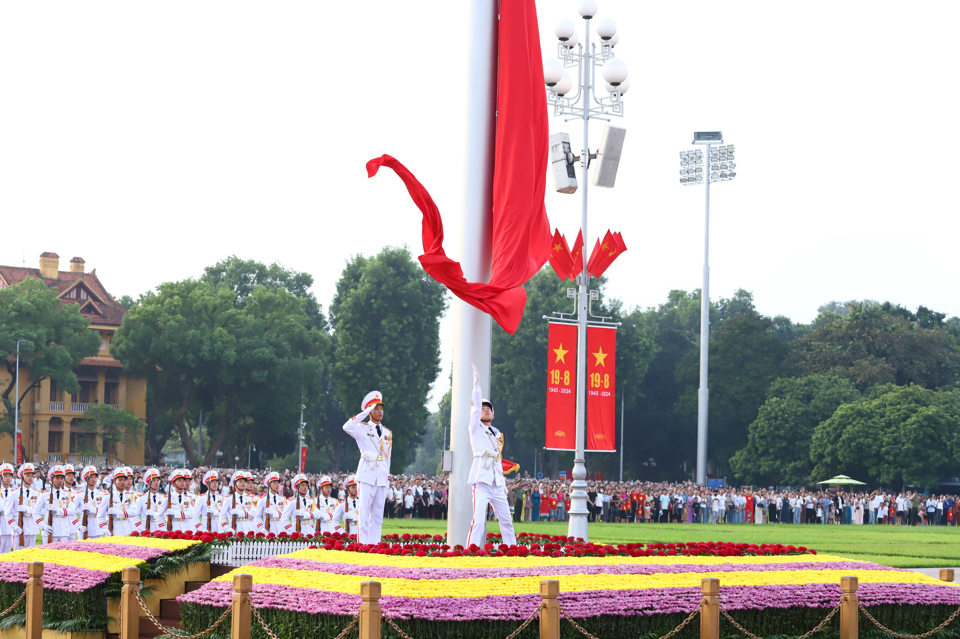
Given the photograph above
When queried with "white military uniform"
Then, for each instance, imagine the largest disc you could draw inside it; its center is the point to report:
(300, 512)
(270, 505)
(348, 510)
(152, 506)
(54, 511)
(8, 527)
(208, 507)
(24, 501)
(92, 503)
(486, 476)
(123, 507)
(373, 474)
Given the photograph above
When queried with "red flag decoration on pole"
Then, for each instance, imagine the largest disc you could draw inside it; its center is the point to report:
(560, 258)
(19, 450)
(577, 256)
(601, 385)
(521, 231)
(605, 253)
(303, 459)
(561, 387)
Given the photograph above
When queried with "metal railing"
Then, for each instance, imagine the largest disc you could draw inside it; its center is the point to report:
(56, 406)
(80, 408)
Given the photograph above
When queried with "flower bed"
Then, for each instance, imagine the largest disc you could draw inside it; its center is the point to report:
(78, 576)
(315, 592)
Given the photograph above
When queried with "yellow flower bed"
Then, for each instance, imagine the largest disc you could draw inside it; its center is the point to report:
(74, 558)
(396, 561)
(568, 583)
(147, 542)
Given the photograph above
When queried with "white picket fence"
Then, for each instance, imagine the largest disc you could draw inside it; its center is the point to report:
(250, 551)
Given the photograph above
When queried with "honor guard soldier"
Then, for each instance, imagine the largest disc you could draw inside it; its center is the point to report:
(486, 473)
(180, 503)
(327, 507)
(269, 514)
(90, 504)
(8, 525)
(54, 512)
(373, 474)
(240, 507)
(209, 505)
(301, 510)
(348, 510)
(123, 513)
(25, 501)
(70, 483)
(152, 505)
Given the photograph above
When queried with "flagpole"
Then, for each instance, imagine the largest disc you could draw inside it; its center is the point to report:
(472, 327)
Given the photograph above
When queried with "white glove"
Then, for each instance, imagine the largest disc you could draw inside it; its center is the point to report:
(488, 457)
(46, 528)
(24, 509)
(80, 529)
(305, 514)
(17, 529)
(106, 533)
(327, 517)
(370, 457)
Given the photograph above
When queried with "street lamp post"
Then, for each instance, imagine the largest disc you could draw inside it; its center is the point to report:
(16, 411)
(586, 105)
(717, 165)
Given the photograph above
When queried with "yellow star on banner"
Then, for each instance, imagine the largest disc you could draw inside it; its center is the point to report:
(559, 433)
(561, 354)
(556, 247)
(601, 357)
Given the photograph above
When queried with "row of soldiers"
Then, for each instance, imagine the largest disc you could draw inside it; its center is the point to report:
(68, 509)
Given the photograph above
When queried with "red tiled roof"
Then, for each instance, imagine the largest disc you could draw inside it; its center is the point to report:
(113, 311)
(108, 363)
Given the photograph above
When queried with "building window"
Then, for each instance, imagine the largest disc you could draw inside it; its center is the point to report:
(54, 393)
(103, 344)
(54, 441)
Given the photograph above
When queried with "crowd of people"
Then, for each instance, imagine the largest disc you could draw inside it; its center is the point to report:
(61, 503)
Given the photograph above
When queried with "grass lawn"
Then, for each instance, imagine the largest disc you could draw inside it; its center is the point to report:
(898, 546)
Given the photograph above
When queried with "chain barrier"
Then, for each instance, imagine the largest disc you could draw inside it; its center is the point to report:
(901, 636)
(696, 611)
(15, 603)
(534, 615)
(804, 636)
(346, 630)
(173, 631)
(397, 628)
(256, 613)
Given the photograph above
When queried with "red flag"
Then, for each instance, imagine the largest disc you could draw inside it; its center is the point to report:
(577, 256)
(561, 415)
(509, 466)
(303, 459)
(560, 258)
(593, 257)
(601, 385)
(521, 231)
(610, 250)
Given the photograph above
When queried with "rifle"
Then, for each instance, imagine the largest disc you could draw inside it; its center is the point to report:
(20, 517)
(50, 518)
(233, 519)
(296, 515)
(169, 516)
(110, 516)
(266, 510)
(86, 495)
(346, 523)
(208, 510)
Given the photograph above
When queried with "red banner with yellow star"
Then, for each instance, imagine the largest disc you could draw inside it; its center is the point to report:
(601, 385)
(561, 387)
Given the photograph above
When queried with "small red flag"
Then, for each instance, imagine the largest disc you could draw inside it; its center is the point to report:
(609, 250)
(577, 256)
(560, 258)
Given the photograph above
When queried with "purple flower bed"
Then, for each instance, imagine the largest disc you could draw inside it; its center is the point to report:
(384, 572)
(55, 577)
(218, 594)
(143, 553)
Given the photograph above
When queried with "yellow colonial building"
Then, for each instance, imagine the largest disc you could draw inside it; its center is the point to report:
(49, 415)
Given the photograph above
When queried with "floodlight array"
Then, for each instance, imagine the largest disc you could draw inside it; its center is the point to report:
(722, 165)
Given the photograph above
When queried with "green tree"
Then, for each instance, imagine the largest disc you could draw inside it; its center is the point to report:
(386, 320)
(778, 445)
(113, 425)
(55, 340)
(881, 344)
(520, 365)
(895, 435)
(745, 356)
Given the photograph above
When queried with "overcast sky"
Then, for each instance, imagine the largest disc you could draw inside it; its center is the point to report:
(153, 139)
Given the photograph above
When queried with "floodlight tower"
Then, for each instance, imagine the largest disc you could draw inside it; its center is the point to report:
(717, 165)
(585, 104)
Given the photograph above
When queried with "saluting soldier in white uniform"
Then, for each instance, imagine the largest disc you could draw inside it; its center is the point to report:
(486, 473)
(25, 500)
(348, 509)
(208, 505)
(269, 513)
(54, 511)
(152, 504)
(180, 503)
(301, 511)
(90, 504)
(373, 474)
